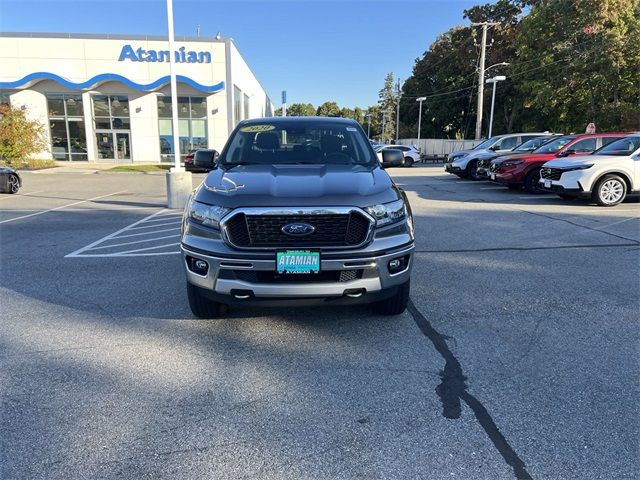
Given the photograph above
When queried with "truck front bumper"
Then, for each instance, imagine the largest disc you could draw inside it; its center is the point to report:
(225, 277)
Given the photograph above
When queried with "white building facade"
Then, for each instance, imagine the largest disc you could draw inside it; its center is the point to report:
(106, 98)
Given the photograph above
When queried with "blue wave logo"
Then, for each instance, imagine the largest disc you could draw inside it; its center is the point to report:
(109, 77)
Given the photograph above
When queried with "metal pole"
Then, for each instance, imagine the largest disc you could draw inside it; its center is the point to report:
(383, 121)
(420, 99)
(483, 48)
(398, 111)
(174, 90)
(369, 125)
(493, 101)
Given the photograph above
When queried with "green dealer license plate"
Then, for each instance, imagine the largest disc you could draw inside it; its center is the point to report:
(298, 261)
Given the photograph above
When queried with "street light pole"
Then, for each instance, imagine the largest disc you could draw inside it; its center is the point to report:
(368, 115)
(420, 100)
(179, 182)
(481, 70)
(493, 80)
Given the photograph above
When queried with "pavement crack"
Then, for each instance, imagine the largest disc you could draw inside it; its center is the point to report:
(453, 391)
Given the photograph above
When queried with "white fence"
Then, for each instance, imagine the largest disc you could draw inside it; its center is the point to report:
(436, 147)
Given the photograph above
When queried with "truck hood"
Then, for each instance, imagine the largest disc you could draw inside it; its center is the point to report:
(297, 185)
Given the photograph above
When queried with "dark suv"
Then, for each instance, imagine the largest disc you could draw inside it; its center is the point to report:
(298, 210)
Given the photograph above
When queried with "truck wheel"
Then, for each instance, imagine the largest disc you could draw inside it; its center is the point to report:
(531, 181)
(396, 304)
(610, 190)
(202, 307)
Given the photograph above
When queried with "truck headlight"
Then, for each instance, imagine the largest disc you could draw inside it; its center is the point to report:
(387, 213)
(209, 215)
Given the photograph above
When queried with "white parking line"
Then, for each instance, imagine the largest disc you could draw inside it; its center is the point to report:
(59, 208)
(157, 234)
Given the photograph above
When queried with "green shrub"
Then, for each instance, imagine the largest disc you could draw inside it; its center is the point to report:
(20, 137)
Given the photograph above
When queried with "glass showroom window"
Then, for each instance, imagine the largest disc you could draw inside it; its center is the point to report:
(192, 125)
(237, 104)
(246, 107)
(111, 112)
(66, 124)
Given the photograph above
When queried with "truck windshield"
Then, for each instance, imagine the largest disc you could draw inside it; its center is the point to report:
(295, 142)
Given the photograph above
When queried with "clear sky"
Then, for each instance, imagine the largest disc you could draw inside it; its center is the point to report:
(316, 50)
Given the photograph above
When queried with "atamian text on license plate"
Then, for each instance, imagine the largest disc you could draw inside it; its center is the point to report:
(298, 261)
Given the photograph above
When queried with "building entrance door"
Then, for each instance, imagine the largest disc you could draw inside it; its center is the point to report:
(114, 145)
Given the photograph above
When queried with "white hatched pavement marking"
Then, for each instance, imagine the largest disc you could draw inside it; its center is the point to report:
(87, 250)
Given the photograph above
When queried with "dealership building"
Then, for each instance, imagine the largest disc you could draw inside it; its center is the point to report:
(106, 98)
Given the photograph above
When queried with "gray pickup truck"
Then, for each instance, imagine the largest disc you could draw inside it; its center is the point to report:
(298, 210)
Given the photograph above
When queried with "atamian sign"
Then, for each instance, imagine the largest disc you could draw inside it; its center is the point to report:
(180, 55)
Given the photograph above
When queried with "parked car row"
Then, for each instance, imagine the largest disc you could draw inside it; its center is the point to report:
(604, 167)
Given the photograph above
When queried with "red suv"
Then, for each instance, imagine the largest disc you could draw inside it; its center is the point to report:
(523, 170)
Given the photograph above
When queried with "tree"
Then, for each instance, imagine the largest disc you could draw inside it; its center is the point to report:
(447, 76)
(328, 109)
(578, 63)
(301, 110)
(387, 102)
(20, 137)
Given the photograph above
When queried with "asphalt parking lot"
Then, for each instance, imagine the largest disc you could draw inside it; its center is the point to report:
(517, 358)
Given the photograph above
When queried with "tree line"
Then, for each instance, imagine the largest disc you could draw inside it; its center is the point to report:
(570, 62)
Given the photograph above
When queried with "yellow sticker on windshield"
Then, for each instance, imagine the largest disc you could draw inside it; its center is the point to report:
(257, 128)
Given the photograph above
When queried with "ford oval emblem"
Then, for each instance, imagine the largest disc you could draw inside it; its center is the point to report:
(298, 229)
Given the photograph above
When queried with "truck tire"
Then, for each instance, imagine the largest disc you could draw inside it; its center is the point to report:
(610, 190)
(396, 304)
(202, 307)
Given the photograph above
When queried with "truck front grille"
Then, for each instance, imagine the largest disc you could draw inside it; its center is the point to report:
(551, 173)
(331, 230)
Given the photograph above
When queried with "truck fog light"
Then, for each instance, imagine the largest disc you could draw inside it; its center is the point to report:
(197, 266)
(398, 264)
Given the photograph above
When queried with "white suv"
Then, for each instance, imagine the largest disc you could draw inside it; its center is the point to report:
(607, 176)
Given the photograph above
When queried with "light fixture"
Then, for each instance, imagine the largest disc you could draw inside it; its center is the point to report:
(115, 103)
(71, 102)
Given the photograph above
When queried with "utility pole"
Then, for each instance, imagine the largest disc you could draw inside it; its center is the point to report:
(483, 48)
(397, 110)
(197, 30)
(368, 116)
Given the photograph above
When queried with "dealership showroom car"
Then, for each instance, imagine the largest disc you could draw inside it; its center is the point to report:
(607, 176)
(464, 163)
(484, 161)
(517, 171)
(411, 153)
